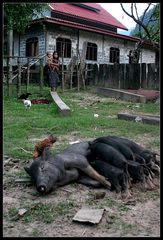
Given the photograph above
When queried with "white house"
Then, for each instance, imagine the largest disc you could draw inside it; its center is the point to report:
(72, 24)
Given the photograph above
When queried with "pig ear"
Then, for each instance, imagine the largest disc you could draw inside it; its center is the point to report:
(27, 169)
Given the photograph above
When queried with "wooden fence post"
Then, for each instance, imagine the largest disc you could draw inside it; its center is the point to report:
(63, 50)
(28, 73)
(41, 74)
(19, 78)
(8, 77)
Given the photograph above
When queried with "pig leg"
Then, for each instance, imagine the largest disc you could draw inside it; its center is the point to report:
(95, 175)
(87, 181)
(78, 161)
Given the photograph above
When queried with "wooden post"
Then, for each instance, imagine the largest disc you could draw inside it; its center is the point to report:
(10, 53)
(8, 77)
(77, 69)
(28, 73)
(63, 50)
(71, 70)
(82, 62)
(41, 74)
(19, 78)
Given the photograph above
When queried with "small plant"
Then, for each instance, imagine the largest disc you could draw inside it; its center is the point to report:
(111, 203)
(12, 212)
(36, 232)
(154, 195)
(46, 212)
(123, 208)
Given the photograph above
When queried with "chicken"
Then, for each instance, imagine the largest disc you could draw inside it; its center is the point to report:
(46, 142)
(27, 104)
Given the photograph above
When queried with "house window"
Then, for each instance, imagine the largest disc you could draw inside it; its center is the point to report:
(32, 47)
(91, 51)
(114, 55)
(63, 43)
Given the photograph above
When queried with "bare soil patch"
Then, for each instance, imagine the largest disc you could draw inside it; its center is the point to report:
(138, 216)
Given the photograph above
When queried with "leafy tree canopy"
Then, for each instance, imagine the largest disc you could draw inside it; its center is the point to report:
(152, 22)
(19, 15)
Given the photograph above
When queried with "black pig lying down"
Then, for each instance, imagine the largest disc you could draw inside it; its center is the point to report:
(138, 150)
(50, 171)
(116, 176)
(110, 155)
(136, 171)
(132, 151)
(118, 145)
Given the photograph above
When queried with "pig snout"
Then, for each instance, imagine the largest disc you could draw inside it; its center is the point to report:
(43, 185)
(42, 188)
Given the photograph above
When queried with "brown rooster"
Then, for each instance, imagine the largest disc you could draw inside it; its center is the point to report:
(46, 142)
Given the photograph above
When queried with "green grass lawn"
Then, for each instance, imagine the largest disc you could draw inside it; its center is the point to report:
(21, 127)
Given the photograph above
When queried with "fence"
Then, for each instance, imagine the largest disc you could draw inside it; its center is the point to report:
(118, 76)
(125, 76)
(12, 75)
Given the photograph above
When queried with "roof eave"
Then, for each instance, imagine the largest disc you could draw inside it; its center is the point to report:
(77, 26)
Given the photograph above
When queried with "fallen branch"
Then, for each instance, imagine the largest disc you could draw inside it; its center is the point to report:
(23, 180)
(84, 232)
(24, 150)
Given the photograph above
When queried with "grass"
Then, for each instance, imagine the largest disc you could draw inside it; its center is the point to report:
(45, 213)
(21, 128)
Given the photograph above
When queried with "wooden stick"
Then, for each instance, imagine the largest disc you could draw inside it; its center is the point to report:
(24, 150)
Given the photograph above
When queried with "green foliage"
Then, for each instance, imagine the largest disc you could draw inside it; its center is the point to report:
(19, 15)
(152, 22)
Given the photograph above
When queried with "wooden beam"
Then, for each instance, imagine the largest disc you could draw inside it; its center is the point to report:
(63, 108)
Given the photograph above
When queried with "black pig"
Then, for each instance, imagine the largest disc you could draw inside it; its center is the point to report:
(116, 176)
(52, 171)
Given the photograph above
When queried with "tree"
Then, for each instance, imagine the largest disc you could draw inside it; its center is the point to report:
(147, 30)
(17, 16)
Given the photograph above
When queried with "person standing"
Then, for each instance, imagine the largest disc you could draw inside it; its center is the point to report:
(53, 64)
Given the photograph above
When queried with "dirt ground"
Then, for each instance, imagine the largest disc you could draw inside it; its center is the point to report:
(138, 216)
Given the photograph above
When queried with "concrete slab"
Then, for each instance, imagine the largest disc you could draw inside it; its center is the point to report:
(63, 108)
(155, 120)
(89, 215)
(121, 94)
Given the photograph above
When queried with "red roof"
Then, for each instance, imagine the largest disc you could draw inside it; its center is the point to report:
(97, 14)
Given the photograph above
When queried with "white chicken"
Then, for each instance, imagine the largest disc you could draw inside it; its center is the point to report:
(27, 103)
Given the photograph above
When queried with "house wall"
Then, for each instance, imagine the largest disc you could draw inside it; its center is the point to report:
(103, 43)
(47, 42)
(41, 43)
(148, 56)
